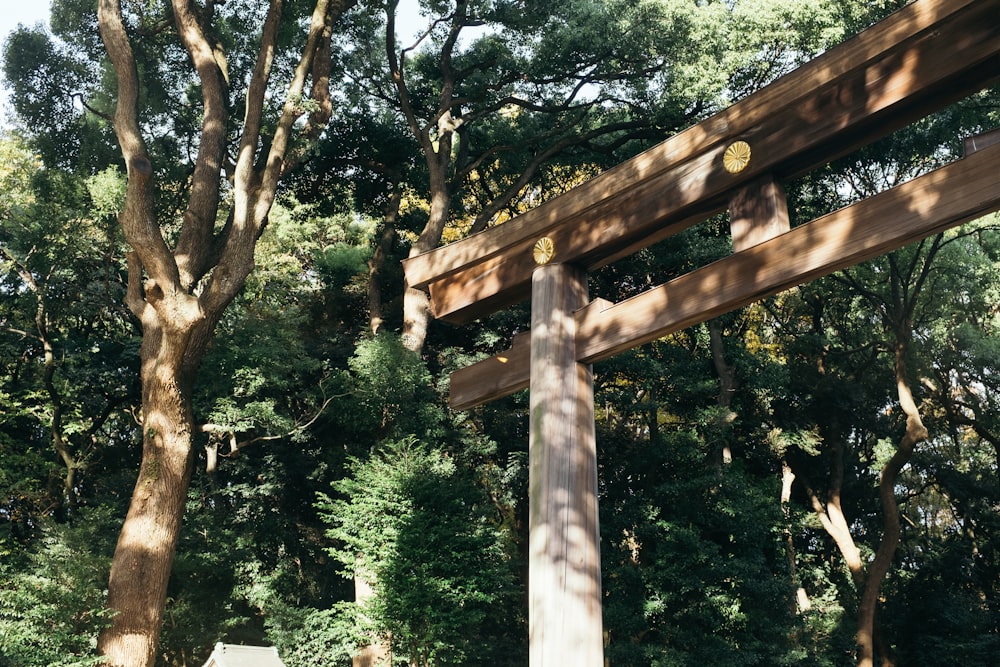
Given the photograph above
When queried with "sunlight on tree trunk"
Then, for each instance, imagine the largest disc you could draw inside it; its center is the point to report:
(144, 554)
(185, 292)
(376, 653)
(802, 603)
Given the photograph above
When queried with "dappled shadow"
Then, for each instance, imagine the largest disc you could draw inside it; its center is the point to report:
(564, 536)
(923, 57)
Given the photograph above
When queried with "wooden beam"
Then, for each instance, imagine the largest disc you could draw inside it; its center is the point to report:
(564, 562)
(981, 141)
(492, 378)
(956, 193)
(918, 60)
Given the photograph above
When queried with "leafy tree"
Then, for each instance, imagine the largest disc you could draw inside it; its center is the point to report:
(728, 451)
(52, 596)
(189, 259)
(416, 524)
(495, 96)
(67, 345)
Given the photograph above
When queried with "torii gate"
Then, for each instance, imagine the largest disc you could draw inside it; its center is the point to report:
(920, 59)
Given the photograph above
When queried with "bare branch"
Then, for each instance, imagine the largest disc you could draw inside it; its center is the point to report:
(235, 445)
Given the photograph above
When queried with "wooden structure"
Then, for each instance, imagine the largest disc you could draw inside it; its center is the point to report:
(920, 59)
(236, 655)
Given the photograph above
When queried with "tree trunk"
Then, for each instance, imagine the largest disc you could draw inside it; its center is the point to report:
(416, 303)
(436, 141)
(375, 654)
(831, 516)
(915, 432)
(801, 603)
(186, 291)
(140, 569)
(377, 262)
(727, 387)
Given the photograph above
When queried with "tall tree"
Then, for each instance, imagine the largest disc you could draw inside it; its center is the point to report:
(413, 516)
(180, 284)
(65, 334)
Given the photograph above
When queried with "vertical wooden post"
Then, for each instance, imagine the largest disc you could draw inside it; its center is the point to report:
(758, 212)
(564, 578)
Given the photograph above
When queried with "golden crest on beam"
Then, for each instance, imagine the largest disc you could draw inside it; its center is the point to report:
(544, 250)
(737, 157)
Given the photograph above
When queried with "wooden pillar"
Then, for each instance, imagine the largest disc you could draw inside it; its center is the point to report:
(757, 212)
(564, 577)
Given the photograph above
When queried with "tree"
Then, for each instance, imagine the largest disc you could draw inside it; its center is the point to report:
(51, 595)
(702, 556)
(492, 112)
(62, 311)
(414, 523)
(192, 277)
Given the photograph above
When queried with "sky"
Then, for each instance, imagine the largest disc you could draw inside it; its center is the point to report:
(28, 12)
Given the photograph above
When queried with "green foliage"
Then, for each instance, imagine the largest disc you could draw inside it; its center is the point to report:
(307, 637)
(66, 349)
(432, 510)
(693, 561)
(52, 596)
(44, 75)
(393, 388)
(414, 524)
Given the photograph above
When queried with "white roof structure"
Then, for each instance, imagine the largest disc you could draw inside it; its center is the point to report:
(234, 655)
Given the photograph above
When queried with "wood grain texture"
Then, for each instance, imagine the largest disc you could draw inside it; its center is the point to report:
(564, 565)
(918, 60)
(492, 378)
(956, 193)
(981, 141)
(949, 196)
(757, 212)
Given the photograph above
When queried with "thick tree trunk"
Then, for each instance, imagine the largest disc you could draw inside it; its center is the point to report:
(186, 291)
(416, 304)
(140, 569)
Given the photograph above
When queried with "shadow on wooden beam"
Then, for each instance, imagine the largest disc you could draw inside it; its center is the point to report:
(956, 193)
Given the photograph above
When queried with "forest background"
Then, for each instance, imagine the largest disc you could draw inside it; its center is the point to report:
(769, 480)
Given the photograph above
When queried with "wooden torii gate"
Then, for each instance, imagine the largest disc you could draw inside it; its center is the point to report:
(920, 59)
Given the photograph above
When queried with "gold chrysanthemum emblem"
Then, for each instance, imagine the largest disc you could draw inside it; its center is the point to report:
(544, 250)
(737, 157)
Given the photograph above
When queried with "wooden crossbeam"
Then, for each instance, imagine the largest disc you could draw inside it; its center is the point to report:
(923, 57)
(956, 193)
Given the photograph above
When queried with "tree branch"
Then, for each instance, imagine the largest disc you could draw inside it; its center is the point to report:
(194, 245)
(137, 218)
(235, 445)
